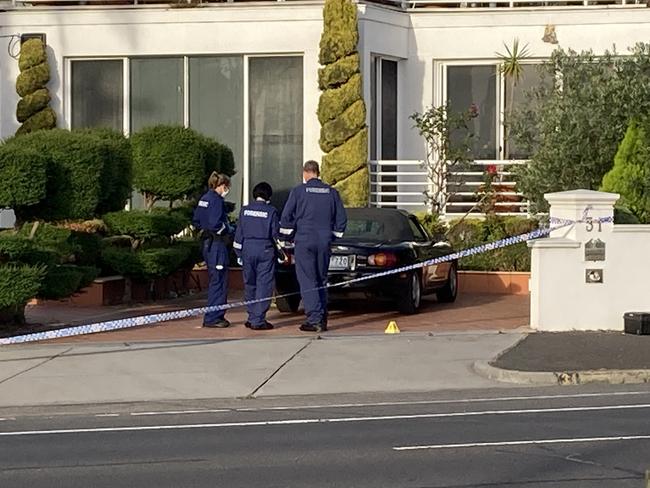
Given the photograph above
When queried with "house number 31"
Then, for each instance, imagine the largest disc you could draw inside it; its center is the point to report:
(590, 225)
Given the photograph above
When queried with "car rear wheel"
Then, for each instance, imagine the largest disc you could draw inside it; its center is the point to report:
(410, 301)
(288, 304)
(448, 293)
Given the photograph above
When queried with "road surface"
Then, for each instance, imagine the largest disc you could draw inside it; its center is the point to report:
(557, 437)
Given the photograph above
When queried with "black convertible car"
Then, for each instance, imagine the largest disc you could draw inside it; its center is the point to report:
(379, 239)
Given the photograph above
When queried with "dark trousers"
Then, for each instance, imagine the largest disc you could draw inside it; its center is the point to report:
(312, 263)
(215, 254)
(259, 278)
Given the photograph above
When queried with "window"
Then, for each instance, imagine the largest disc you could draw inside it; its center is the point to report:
(206, 93)
(476, 85)
(97, 89)
(383, 120)
(482, 86)
(276, 123)
(216, 104)
(156, 92)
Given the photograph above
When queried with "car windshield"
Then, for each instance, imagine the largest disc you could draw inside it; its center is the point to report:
(378, 225)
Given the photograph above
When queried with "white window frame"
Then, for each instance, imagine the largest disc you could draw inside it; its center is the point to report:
(126, 107)
(440, 92)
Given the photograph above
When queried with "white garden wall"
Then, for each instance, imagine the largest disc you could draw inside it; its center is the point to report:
(561, 297)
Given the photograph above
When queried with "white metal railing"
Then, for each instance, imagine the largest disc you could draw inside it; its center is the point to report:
(402, 184)
(402, 4)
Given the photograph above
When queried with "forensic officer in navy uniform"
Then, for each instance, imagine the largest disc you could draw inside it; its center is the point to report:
(257, 232)
(211, 218)
(314, 216)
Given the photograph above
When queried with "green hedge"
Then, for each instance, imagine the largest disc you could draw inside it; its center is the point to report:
(62, 281)
(117, 170)
(630, 175)
(474, 232)
(18, 249)
(339, 71)
(81, 248)
(169, 163)
(144, 225)
(87, 172)
(74, 188)
(18, 285)
(23, 175)
(146, 264)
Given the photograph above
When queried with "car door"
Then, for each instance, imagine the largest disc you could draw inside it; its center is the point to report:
(428, 248)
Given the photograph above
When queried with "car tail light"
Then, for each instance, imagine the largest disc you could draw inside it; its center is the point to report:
(382, 259)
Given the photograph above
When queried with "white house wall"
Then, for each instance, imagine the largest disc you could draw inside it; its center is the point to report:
(472, 34)
(260, 30)
(418, 38)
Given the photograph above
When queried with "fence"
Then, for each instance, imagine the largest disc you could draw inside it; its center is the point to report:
(404, 184)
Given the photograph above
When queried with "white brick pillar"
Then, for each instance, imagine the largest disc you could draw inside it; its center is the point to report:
(561, 296)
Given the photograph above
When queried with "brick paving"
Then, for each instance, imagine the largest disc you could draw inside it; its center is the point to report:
(471, 312)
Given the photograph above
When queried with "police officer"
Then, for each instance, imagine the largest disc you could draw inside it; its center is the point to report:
(211, 218)
(257, 232)
(313, 216)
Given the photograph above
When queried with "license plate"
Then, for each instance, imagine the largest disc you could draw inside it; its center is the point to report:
(339, 262)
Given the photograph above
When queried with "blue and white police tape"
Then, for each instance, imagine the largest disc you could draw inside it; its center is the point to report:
(118, 324)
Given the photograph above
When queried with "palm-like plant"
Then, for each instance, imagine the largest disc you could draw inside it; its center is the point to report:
(512, 68)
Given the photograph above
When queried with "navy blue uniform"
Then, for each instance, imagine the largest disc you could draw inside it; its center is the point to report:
(257, 229)
(314, 216)
(210, 216)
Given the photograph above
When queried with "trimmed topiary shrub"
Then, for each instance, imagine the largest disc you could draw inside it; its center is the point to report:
(75, 162)
(23, 173)
(218, 157)
(62, 281)
(144, 225)
(341, 109)
(117, 171)
(33, 109)
(169, 163)
(630, 176)
(146, 264)
(19, 283)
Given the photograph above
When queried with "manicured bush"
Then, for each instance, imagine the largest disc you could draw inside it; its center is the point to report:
(18, 284)
(117, 171)
(464, 234)
(64, 280)
(144, 225)
(75, 162)
(218, 157)
(33, 110)
(341, 109)
(145, 264)
(630, 176)
(623, 216)
(23, 176)
(67, 245)
(17, 249)
(169, 163)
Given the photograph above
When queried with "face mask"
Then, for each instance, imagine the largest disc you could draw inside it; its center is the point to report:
(225, 192)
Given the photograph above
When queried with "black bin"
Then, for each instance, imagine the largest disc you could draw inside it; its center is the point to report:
(637, 323)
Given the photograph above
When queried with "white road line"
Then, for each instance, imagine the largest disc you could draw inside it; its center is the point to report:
(264, 423)
(525, 443)
(107, 415)
(445, 402)
(179, 412)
